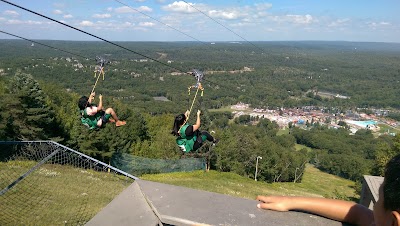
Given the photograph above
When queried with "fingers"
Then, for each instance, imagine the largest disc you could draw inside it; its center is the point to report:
(198, 112)
(277, 203)
(267, 206)
(263, 198)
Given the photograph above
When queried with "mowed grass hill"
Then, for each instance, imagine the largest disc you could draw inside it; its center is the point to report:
(55, 194)
(59, 193)
(315, 183)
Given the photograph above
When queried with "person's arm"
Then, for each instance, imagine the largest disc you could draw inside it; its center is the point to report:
(100, 106)
(197, 125)
(91, 97)
(339, 210)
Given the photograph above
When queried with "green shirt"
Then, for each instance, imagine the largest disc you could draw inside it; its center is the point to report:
(185, 143)
(90, 120)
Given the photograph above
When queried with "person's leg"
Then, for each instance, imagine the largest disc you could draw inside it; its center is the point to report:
(115, 117)
(201, 137)
(207, 136)
(104, 118)
(197, 145)
(199, 140)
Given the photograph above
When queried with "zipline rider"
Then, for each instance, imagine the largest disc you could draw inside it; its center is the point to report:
(94, 116)
(189, 138)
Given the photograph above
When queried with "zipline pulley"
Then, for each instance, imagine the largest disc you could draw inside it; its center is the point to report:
(199, 78)
(100, 66)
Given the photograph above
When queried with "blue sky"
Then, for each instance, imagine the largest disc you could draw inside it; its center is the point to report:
(146, 20)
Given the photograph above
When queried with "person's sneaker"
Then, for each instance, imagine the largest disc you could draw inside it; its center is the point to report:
(215, 142)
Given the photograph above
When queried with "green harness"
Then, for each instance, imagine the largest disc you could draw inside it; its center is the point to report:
(90, 120)
(185, 143)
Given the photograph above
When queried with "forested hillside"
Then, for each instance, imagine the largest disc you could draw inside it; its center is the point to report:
(40, 88)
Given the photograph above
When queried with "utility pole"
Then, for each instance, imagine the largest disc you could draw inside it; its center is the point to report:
(255, 174)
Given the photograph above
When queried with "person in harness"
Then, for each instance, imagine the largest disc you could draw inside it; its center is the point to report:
(94, 116)
(189, 137)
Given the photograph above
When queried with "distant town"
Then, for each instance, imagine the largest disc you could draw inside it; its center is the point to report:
(333, 118)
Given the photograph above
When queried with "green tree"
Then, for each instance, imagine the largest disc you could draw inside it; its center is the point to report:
(384, 153)
(28, 115)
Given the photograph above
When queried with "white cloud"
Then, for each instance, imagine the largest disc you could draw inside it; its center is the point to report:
(339, 22)
(300, 19)
(2, 18)
(102, 16)
(68, 16)
(377, 25)
(263, 6)
(124, 9)
(146, 24)
(140, 0)
(86, 23)
(29, 22)
(127, 24)
(256, 13)
(11, 13)
(161, 1)
(239, 25)
(145, 9)
(171, 20)
(294, 19)
(109, 9)
(57, 11)
(224, 15)
(34, 22)
(14, 22)
(180, 7)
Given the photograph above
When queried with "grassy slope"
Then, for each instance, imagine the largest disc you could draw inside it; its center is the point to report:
(55, 194)
(315, 183)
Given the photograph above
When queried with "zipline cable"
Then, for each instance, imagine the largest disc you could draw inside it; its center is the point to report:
(216, 21)
(112, 43)
(72, 27)
(161, 22)
(101, 72)
(65, 51)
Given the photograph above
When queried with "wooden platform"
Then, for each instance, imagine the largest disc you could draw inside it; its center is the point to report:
(370, 190)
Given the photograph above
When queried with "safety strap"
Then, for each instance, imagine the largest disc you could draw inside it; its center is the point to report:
(190, 110)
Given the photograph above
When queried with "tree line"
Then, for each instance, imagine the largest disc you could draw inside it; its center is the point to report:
(40, 89)
(42, 111)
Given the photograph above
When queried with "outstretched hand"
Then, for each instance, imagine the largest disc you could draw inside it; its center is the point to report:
(277, 203)
(198, 112)
(91, 97)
